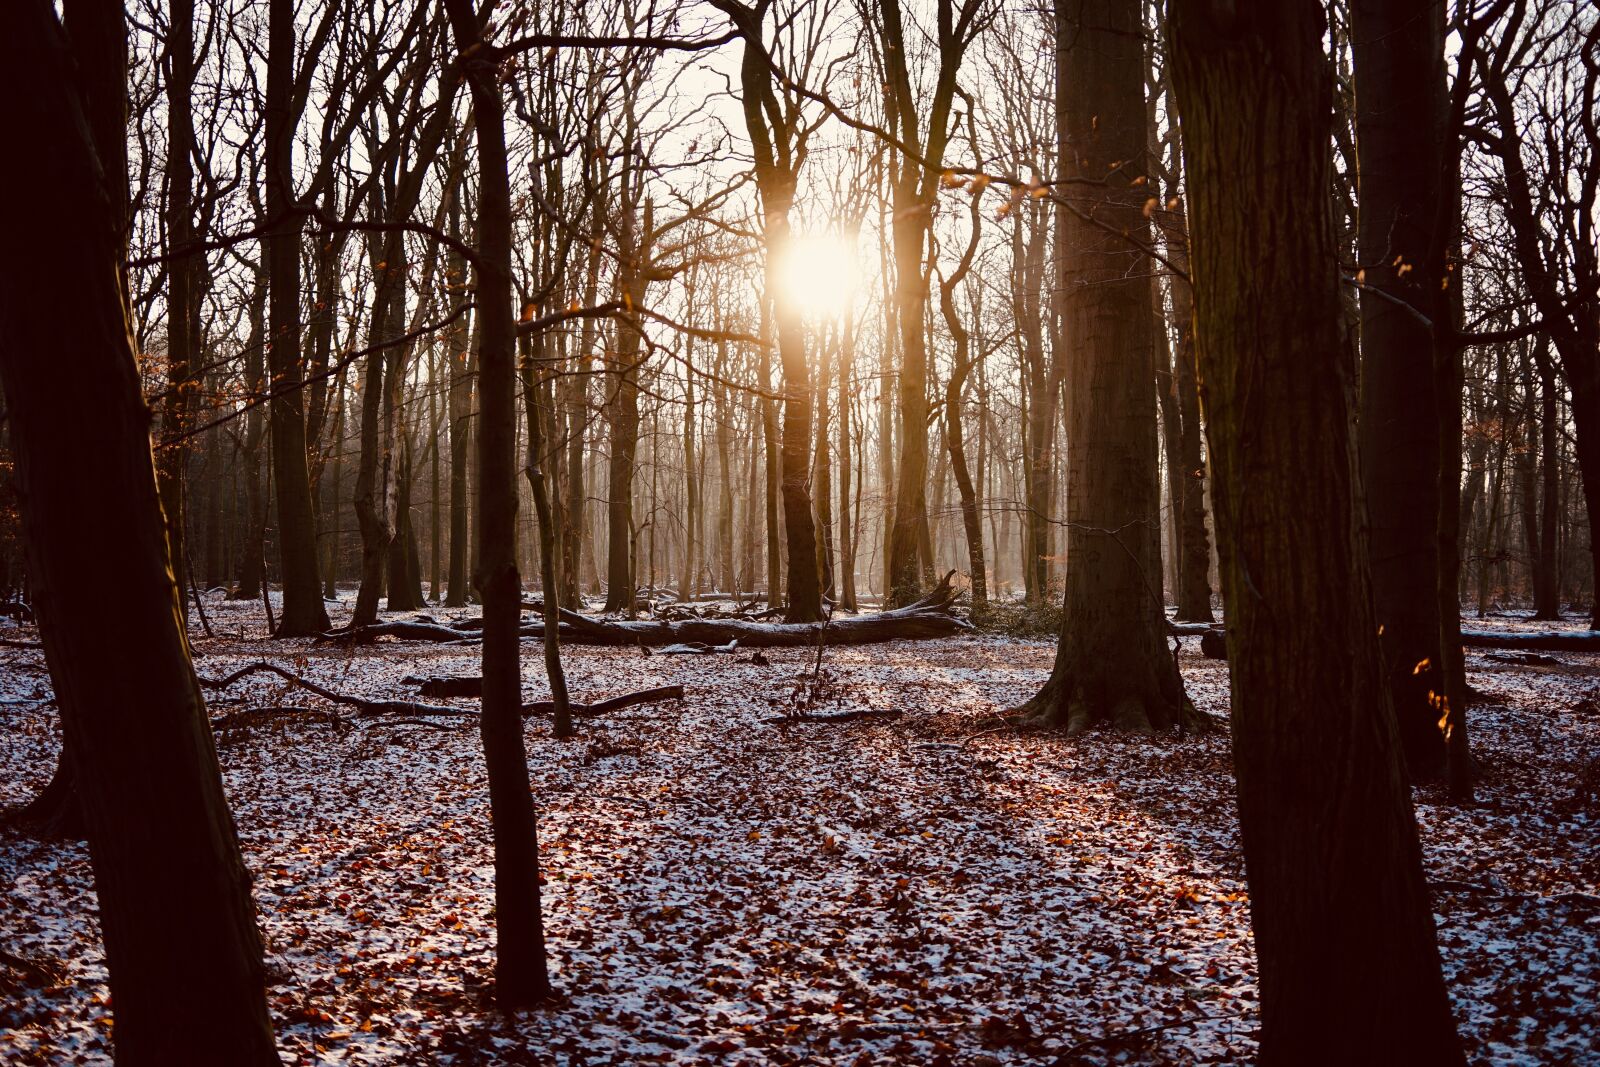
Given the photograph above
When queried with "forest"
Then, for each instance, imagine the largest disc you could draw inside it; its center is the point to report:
(764, 532)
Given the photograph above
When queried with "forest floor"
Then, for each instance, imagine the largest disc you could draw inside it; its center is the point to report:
(725, 890)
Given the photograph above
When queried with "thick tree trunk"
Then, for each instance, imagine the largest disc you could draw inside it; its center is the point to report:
(1343, 926)
(303, 613)
(1112, 664)
(521, 972)
(1399, 79)
(165, 853)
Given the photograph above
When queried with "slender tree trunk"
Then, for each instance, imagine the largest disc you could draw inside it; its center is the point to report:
(954, 402)
(303, 613)
(165, 853)
(181, 386)
(687, 578)
(770, 457)
(1547, 584)
(1194, 543)
(1330, 843)
(435, 534)
(374, 501)
(822, 476)
(521, 973)
(622, 408)
(253, 547)
(847, 540)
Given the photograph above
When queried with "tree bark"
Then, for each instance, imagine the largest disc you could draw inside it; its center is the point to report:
(521, 972)
(165, 852)
(1330, 843)
(1547, 580)
(461, 350)
(1399, 80)
(1194, 543)
(172, 459)
(303, 614)
(1112, 664)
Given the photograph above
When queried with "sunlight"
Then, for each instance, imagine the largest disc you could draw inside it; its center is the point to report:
(818, 273)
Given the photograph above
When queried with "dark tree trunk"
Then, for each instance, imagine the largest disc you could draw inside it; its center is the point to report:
(954, 397)
(521, 973)
(622, 411)
(847, 539)
(1343, 927)
(1547, 580)
(303, 614)
(375, 478)
(799, 528)
(914, 183)
(171, 459)
(253, 544)
(1112, 664)
(1398, 48)
(462, 352)
(1194, 543)
(165, 853)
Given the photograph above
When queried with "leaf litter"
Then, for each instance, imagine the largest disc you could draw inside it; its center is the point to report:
(721, 888)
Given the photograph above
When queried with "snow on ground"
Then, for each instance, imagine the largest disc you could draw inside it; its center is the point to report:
(723, 890)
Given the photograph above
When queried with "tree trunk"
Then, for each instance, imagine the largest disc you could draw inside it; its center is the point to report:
(462, 350)
(954, 402)
(253, 547)
(1194, 543)
(1547, 583)
(804, 602)
(1112, 663)
(374, 500)
(1399, 80)
(847, 541)
(1330, 843)
(521, 973)
(172, 458)
(622, 410)
(165, 853)
(303, 614)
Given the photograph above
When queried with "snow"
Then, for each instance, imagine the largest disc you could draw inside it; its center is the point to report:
(721, 890)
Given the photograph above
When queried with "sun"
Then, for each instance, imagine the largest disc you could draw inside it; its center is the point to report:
(818, 273)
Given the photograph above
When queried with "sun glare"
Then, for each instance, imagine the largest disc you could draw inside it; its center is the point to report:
(819, 274)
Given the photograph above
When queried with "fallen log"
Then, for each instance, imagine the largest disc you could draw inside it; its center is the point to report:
(930, 617)
(601, 707)
(693, 648)
(838, 716)
(1214, 646)
(1534, 640)
(438, 687)
(471, 685)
